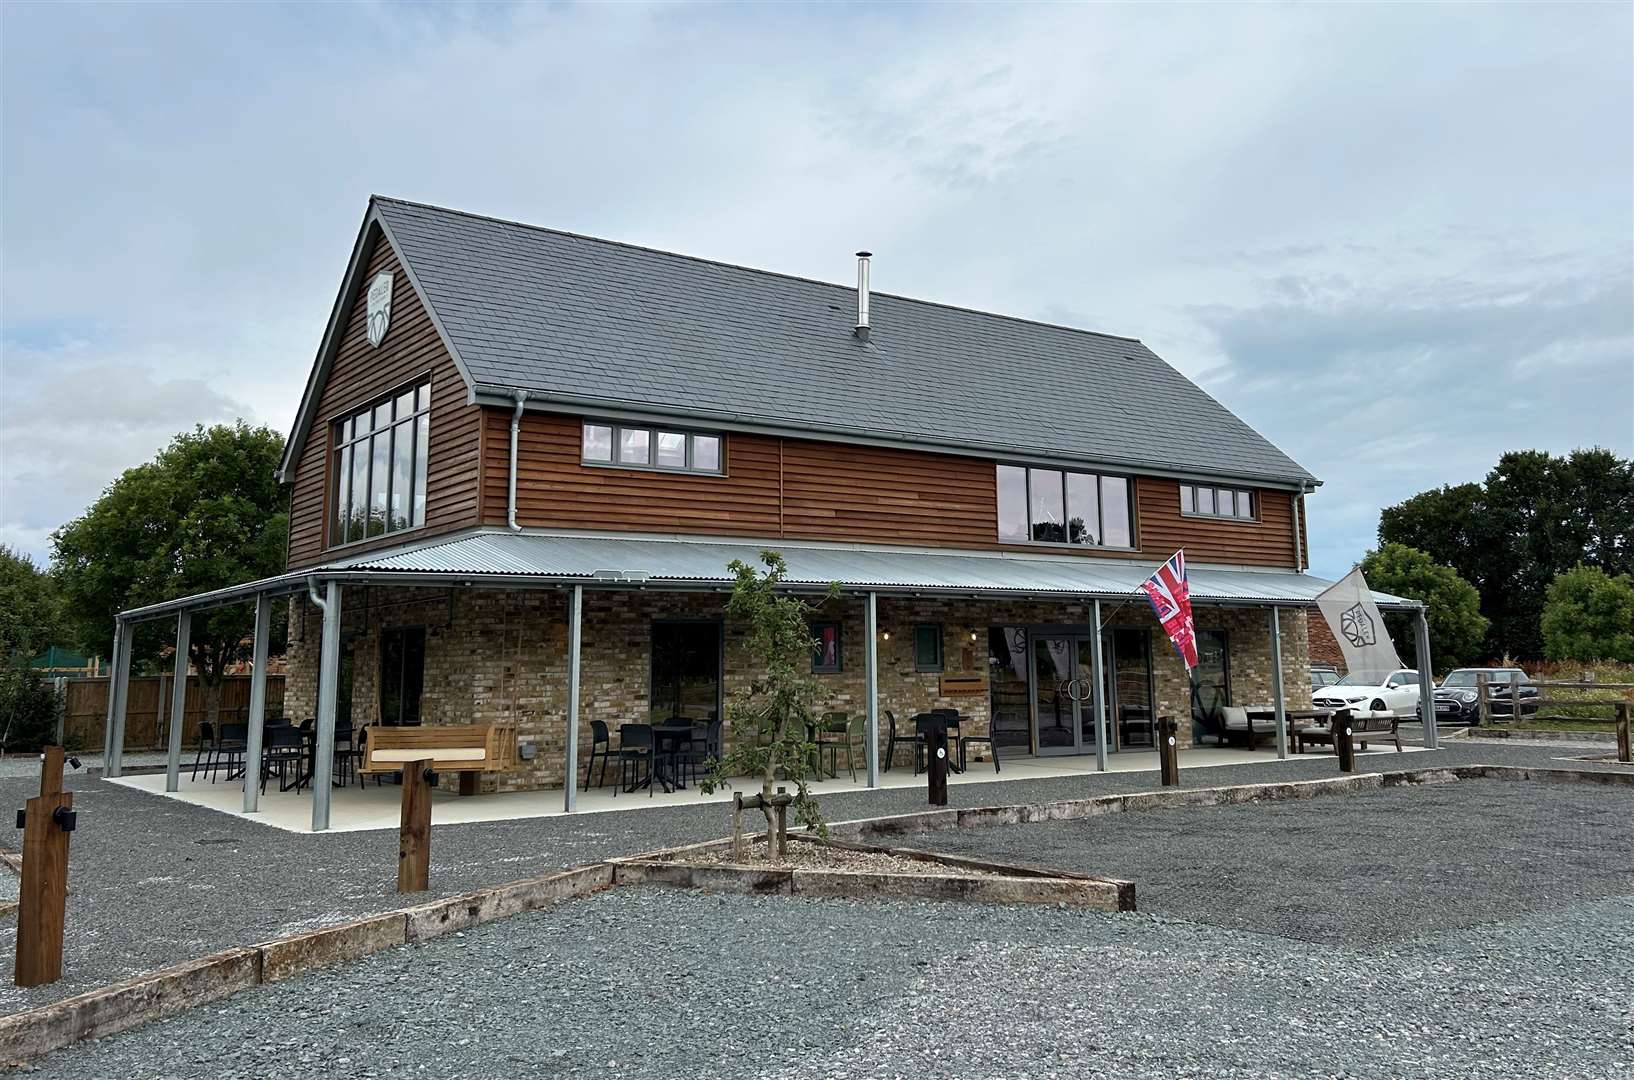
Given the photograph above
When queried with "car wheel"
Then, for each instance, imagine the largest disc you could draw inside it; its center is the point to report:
(1377, 705)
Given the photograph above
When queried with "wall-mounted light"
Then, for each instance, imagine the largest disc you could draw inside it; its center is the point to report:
(885, 635)
(973, 635)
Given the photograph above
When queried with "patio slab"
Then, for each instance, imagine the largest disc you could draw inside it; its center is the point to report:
(354, 809)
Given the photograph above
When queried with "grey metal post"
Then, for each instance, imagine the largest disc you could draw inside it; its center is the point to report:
(113, 762)
(178, 702)
(107, 726)
(323, 762)
(1276, 684)
(575, 638)
(871, 671)
(1426, 684)
(258, 703)
(1100, 695)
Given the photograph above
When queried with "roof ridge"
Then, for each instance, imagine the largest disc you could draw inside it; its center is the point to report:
(748, 269)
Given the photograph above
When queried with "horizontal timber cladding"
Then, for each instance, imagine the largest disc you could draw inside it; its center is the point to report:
(810, 490)
(361, 373)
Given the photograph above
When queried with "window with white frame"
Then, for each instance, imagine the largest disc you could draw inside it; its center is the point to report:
(667, 449)
(1055, 506)
(1197, 500)
(380, 467)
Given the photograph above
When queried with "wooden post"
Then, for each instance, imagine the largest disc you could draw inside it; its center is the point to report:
(1515, 700)
(737, 825)
(47, 820)
(1483, 707)
(1168, 752)
(1343, 746)
(1623, 711)
(782, 804)
(414, 833)
(936, 751)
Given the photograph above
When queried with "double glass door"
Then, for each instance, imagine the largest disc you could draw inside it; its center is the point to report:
(1063, 680)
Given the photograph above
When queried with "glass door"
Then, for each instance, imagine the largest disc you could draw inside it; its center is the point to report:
(1063, 694)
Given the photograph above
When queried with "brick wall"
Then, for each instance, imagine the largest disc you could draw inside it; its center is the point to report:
(503, 657)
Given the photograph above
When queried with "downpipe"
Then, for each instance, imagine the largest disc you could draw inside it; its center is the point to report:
(516, 429)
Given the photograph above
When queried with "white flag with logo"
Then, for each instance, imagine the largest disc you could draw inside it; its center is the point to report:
(1348, 606)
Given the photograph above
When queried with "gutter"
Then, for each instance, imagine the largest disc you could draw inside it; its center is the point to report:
(312, 592)
(516, 427)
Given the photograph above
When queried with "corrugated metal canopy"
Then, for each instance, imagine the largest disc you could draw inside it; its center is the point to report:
(690, 561)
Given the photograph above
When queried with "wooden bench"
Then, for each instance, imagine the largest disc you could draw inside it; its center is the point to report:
(462, 748)
(1382, 725)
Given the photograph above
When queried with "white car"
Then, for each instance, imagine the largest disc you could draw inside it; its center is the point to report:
(1397, 692)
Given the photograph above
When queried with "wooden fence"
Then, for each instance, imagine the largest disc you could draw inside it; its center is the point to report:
(147, 707)
(1617, 699)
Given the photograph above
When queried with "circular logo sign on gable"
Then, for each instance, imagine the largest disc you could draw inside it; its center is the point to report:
(379, 307)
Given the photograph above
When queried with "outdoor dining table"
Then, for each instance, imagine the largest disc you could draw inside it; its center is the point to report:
(1268, 713)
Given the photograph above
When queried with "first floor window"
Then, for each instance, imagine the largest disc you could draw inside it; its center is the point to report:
(380, 467)
(650, 448)
(1200, 501)
(1056, 506)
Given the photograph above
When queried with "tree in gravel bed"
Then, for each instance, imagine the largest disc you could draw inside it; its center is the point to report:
(772, 721)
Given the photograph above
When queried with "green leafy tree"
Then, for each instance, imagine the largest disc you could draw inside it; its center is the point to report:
(30, 621)
(1589, 615)
(30, 611)
(772, 719)
(1453, 607)
(204, 514)
(1535, 516)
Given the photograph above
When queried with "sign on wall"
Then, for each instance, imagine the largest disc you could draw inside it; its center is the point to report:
(379, 307)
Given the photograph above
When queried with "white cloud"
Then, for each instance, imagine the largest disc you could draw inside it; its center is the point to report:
(1288, 203)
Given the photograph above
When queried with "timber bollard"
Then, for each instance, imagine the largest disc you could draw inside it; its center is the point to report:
(1168, 752)
(936, 763)
(1343, 745)
(414, 831)
(1623, 750)
(43, 898)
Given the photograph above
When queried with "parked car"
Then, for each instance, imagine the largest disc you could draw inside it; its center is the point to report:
(1394, 691)
(1323, 675)
(1456, 699)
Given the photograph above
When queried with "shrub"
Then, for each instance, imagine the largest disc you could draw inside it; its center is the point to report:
(1589, 615)
(28, 710)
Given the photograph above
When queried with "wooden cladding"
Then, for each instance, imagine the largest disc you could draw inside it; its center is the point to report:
(804, 489)
(361, 373)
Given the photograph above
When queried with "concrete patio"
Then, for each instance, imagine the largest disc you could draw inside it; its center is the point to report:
(356, 809)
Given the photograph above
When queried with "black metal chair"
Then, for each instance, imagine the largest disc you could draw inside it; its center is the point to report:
(230, 747)
(966, 740)
(601, 745)
(206, 752)
(634, 751)
(893, 737)
(282, 748)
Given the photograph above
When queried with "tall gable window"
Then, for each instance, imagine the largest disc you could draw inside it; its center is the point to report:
(650, 448)
(1198, 501)
(380, 467)
(1053, 506)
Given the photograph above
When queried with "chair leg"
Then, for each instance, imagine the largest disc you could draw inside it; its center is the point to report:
(995, 748)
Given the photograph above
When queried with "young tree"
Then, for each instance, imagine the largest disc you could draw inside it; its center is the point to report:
(1457, 626)
(1589, 615)
(204, 514)
(772, 720)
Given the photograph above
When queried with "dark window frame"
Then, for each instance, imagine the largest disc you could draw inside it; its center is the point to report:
(939, 664)
(401, 678)
(1100, 507)
(817, 667)
(653, 431)
(343, 441)
(1253, 494)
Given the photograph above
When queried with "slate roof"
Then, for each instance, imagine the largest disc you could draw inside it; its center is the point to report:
(584, 320)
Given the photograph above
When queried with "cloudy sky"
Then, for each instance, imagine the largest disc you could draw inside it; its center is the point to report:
(1397, 239)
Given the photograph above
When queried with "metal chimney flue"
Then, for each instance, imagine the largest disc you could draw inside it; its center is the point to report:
(862, 294)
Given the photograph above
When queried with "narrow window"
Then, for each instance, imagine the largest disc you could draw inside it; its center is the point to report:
(672, 450)
(1045, 501)
(402, 674)
(633, 447)
(927, 647)
(1115, 528)
(1188, 499)
(1012, 485)
(825, 648)
(1083, 509)
(598, 442)
(706, 453)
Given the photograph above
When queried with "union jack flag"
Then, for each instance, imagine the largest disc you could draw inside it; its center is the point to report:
(1169, 590)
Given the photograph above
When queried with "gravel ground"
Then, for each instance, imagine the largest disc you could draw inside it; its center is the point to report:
(651, 983)
(1400, 861)
(153, 881)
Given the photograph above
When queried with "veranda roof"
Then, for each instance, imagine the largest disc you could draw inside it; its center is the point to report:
(532, 558)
